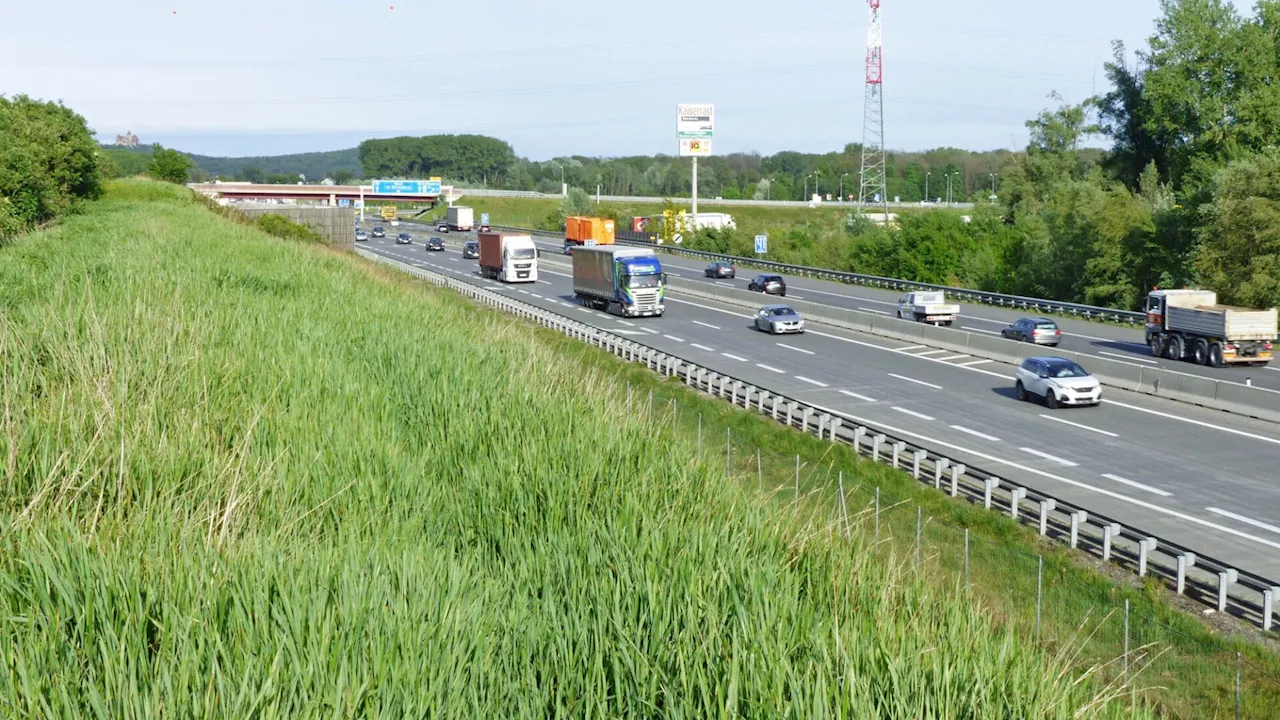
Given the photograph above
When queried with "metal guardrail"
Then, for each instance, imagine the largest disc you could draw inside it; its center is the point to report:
(1087, 312)
(1207, 580)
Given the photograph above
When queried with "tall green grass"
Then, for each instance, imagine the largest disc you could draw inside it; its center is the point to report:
(248, 478)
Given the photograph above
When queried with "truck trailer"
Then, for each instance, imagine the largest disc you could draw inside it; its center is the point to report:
(1191, 325)
(620, 280)
(587, 231)
(460, 217)
(508, 257)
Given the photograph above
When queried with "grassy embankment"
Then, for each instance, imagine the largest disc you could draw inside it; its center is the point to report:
(243, 476)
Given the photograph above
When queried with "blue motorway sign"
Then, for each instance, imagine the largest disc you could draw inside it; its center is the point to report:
(484, 218)
(762, 244)
(406, 187)
(344, 202)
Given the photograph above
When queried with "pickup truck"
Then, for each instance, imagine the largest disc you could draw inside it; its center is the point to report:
(927, 306)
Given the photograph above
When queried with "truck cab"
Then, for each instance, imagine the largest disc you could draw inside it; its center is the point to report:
(622, 281)
(927, 306)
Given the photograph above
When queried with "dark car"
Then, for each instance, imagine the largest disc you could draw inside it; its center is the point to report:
(471, 249)
(769, 285)
(435, 243)
(404, 239)
(379, 232)
(721, 270)
(442, 227)
(484, 228)
(1041, 331)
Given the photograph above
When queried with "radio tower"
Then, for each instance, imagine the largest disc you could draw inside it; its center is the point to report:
(872, 188)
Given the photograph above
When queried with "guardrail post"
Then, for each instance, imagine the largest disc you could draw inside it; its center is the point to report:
(917, 458)
(1109, 531)
(898, 448)
(988, 487)
(804, 419)
(688, 375)
(1077, 518)
(734, 397)
(1185, 562)
(702, 378)
(876, 442)
(1015, 500)
(776, 400)
(956, 471)
(859, 433)
(791, 411)
(1226, 579)
(1268, 603)
(724, 382)
(1046, 507)
(762, 396)
(939, 467)
(822, 424)
(1145, 547)
(835, 425)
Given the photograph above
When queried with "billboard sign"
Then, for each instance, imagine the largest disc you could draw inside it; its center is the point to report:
(406, 187)
(695, 126)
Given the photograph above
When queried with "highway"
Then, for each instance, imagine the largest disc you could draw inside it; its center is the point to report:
(1197, 477)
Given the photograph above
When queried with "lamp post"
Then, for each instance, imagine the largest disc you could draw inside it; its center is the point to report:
(926, 186)
(993, 186)
(842, 177)
(562, 187)
(816, 173)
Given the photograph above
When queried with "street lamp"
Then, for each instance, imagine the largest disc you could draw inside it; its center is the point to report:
(993, 186)
(926, 186)
(842, 177)
(562, 190)
(816, 173)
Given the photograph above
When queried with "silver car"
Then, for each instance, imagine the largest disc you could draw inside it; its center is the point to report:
(1041, 331)
(1058, 380)
(776, 319)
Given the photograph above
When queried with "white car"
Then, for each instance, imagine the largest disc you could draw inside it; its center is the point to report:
(361, 236)
(1058, 380)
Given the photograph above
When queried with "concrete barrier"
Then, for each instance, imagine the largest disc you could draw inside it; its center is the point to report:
(1255, 402)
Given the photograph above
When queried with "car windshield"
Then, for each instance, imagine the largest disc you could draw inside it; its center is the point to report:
(524, 254)
(1066, 369)
(780, 311)
(644, 281)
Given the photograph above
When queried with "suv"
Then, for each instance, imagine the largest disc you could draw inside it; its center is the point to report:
(769, 285)
(721, 270)
(1041, 331)
(1058, 380)
(435, 243)
(471, 249)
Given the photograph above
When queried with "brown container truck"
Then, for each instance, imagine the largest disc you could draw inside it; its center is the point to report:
(586, 231)
(509, 257)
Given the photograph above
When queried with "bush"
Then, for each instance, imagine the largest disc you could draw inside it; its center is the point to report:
(286, 229)
(169, 165)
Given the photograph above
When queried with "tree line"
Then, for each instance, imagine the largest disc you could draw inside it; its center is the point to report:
(49, 163)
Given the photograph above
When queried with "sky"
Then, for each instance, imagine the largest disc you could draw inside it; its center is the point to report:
(557, 77)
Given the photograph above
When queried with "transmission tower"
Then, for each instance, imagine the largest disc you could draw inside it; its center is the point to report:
(872, 187)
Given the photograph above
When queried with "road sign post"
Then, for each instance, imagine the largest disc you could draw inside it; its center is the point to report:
(695, 126)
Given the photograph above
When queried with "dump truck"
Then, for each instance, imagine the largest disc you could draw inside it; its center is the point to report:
(927, 306)
(460, 217)
(508, 257)
(586, 231)
(619, 280)
(1191, 325)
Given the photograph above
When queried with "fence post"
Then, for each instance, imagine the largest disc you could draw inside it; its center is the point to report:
(858, 433)
(877, 515)
(1015, 500)
(1185, 562)
(1039, 591)
(876, 442)
(759, 473)
(956, 471)
(918, 514)
(728, 452)
(835, 425)
(1239, 662)
(1077, 518)
(761, 396)
(804, 419)
(966, 558)
(776, 399)
(1145, 547)
(628, 395)
(650, 404)
(797, 498)
(699, 432)
(1046, 507)
(988, 486)
(1126, 642)
(1108, 531)
(1268, 606)
(791, 409)
(1226, 578)
(939, 467)
(898, 447)
(917, 458)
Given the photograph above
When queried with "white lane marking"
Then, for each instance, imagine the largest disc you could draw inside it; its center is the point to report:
(913, 413)
(913, 380)
(975, 433)
(1128, 357)
(804, 379)
(975, 362)
(1243, 519)
(974, 329)
(792, 347)
(872, 310)
(725, 284)
(1242, 433)
(627, 332)
(856, 396)
(673, 337)
(523, 292)
(796, 297)
(544, 282)
(704, 347)
(733, 357)
(911, 347)
(1047, 456)
(1078, 425)
(927, 353)
(675, 274)
(770, 368)
(706, 325)
(537, 296)
(628, 323)
(1138, 485)
(949, 358)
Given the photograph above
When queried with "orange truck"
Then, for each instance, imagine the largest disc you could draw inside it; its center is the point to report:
(586, 231)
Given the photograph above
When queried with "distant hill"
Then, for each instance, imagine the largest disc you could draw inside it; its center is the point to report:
(314, 165)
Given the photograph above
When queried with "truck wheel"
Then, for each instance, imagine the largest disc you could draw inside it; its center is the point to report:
(918, 317)
(1200, 354)
(1156, 345)
(1176, 349)
(1215, 355)
(946, 323)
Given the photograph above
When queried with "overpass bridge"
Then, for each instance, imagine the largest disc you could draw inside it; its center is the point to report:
(319, 194)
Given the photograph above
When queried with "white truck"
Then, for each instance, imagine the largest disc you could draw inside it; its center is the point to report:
(508, 257)
(1191, 325)
(461, 218)
(927, 306)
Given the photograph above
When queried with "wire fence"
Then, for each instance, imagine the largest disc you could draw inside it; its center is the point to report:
(1161, 661)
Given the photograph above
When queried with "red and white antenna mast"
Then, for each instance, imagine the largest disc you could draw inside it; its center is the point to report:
(872, 189)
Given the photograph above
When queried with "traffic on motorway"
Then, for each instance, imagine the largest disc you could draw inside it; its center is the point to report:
(1187, 473)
